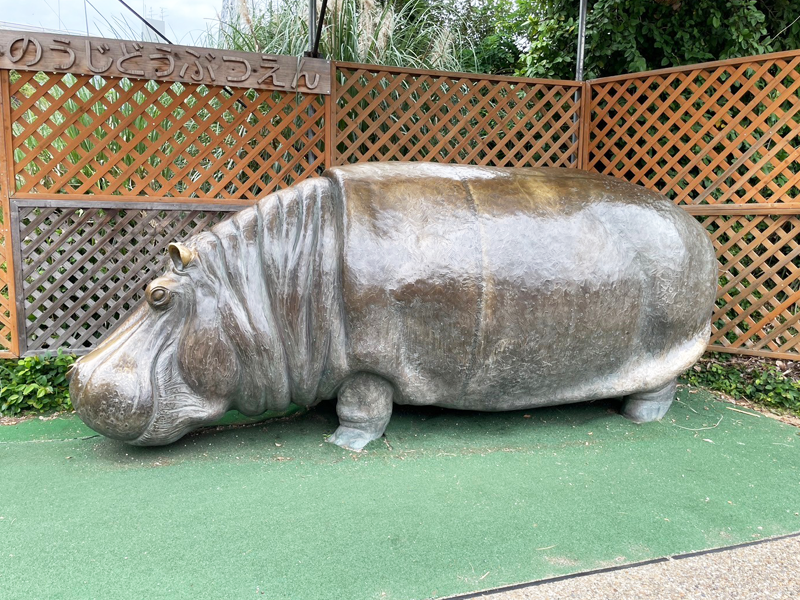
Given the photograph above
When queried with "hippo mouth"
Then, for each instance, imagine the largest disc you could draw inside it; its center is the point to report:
(130, 388)
(177, 409)
(108, 389)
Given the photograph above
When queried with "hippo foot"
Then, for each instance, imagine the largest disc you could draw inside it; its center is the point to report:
(352, 439)
(364, 408)
(645, 407)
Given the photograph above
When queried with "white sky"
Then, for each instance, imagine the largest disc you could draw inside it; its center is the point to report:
(186, 20)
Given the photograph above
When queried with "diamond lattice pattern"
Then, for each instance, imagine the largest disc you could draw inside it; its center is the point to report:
(93, 135)
(759, 291)
(85, 269)
(729, 134)
(383, 115)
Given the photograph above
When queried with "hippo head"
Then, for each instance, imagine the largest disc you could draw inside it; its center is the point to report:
(179, 361)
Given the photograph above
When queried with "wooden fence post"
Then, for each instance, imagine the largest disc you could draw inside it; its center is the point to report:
(8, 305)
(585, 124)
(331, 123)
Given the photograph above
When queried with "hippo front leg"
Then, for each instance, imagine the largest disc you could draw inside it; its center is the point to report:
(364, 407)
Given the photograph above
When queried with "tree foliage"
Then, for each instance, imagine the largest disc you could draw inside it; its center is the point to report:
(624, 36)
(536, 38)
(489, 29)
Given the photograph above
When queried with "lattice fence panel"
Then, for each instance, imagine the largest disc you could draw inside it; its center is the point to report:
(723, 134)
(759, 291)
(5, 301)
(385, 115)
(85, 269)
(94, 135)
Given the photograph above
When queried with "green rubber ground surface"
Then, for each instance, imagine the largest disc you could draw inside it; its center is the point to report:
(451, 502)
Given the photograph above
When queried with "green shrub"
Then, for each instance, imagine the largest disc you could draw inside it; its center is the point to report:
(763, 383)
(773, 388)
(35, 383)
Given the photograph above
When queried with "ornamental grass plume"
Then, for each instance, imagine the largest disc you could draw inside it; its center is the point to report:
(366, 27)
(244, 11)
(365, 31)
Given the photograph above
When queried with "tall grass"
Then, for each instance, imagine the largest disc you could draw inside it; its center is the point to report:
(364, 31)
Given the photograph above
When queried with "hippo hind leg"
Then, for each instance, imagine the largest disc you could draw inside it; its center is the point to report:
(644, 407)
(364, 407)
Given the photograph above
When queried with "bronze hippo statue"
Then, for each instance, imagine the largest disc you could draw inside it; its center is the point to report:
(465, 287)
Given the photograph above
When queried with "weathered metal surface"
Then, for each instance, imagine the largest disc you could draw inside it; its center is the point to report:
(465, 287)
(27, 51)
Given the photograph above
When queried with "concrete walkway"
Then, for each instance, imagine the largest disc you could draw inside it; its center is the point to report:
(769, 570)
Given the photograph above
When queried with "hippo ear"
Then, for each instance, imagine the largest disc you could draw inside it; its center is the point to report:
(180, 255)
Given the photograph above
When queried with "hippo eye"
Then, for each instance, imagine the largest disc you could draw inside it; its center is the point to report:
(159, 297)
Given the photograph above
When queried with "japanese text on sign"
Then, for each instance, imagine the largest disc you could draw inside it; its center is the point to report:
(143, 60)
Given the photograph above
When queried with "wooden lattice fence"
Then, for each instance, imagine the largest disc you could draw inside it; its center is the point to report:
(385, 113)
(83, 269)
(107, 159)
(93, 135)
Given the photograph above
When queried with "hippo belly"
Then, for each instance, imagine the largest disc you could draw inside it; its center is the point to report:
(498, 289)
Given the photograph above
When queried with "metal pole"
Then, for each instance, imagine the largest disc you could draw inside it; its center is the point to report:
(312, 24)
(579, 66)
(315, 49)
(581, 41)
(312, 32)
